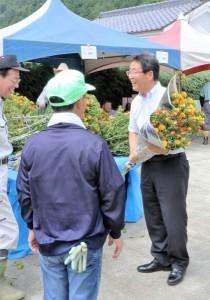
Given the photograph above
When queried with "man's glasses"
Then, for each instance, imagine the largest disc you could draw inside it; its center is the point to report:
(128, 73)
(14, 81)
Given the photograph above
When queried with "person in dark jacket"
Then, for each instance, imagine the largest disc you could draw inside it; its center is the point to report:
(71, 194)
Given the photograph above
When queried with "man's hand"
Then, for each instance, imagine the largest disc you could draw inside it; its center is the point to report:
(118, 245)
(42, 105)
(155, 149)
(133, 142)
(133, 158)
(33, 242)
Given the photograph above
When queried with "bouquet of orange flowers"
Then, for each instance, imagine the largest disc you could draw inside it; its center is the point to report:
(175, 122)
(176, 127)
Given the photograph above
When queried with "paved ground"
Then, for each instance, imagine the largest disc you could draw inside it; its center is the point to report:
(120, 281)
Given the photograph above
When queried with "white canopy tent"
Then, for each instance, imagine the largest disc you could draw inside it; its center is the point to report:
(193, 46)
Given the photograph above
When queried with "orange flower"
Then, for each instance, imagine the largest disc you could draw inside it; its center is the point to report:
(184, 94)
(161, 127)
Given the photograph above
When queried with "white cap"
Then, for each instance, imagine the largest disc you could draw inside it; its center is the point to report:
(61, 67)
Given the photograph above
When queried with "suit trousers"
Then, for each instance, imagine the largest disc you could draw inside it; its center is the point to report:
(164, 185)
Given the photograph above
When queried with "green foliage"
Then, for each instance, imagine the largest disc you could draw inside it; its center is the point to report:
(192, 84)
(90, 9)
(113, 129)
(165, 78)
(116, 133)
(111, 85)
(12, 11)
(33, 82)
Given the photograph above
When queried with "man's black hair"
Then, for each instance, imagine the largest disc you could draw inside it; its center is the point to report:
(63, 108)
(148, 63)
(4, 72)
(105, 101)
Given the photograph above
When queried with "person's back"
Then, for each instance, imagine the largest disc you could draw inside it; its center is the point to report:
(71, 193)
(67, 180)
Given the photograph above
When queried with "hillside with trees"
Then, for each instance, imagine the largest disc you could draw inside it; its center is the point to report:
(12, 11)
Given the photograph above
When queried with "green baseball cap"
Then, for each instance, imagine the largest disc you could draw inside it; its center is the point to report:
(69, 85)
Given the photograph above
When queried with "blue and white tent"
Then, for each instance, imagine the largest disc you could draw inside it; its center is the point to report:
(54, 30)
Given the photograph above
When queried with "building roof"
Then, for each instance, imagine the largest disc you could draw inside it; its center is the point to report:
(147, 17)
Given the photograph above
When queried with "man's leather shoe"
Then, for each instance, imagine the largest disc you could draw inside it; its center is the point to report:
(205, 141)
(176, 275)
(153, 266)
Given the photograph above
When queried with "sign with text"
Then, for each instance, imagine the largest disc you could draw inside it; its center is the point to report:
(162, 57)
(88, 52)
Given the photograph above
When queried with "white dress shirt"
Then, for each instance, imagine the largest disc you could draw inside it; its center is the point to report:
(42, 99)
(143, 106)
(5, 146)
(141, 109)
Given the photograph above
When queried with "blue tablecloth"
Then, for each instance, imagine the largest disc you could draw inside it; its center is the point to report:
(133, 207)
(133, 210)
(22, 248)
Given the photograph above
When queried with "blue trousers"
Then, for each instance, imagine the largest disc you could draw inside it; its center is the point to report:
(61, 283)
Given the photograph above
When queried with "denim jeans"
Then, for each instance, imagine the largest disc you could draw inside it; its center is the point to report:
(61, 283)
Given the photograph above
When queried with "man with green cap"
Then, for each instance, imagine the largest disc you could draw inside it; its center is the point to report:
(71, 194)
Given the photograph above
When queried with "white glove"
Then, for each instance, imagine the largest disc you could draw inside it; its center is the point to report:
(78, 258)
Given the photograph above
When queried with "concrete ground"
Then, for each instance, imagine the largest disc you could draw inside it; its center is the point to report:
(120, 280)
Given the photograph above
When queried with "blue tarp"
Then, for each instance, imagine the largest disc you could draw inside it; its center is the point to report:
(22, 248)
(58, 31)
(133, 208)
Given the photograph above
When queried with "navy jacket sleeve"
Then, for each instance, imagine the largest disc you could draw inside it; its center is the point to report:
(24, 194)
(112, 193)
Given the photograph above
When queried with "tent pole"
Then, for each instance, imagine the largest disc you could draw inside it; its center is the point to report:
(180, 81)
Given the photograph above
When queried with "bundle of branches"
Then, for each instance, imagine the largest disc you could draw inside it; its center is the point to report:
(116, 133)
(23, 120)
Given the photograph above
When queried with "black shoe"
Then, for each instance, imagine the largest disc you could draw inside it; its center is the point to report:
(176, 276)
(205, 141)
(153, 266)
